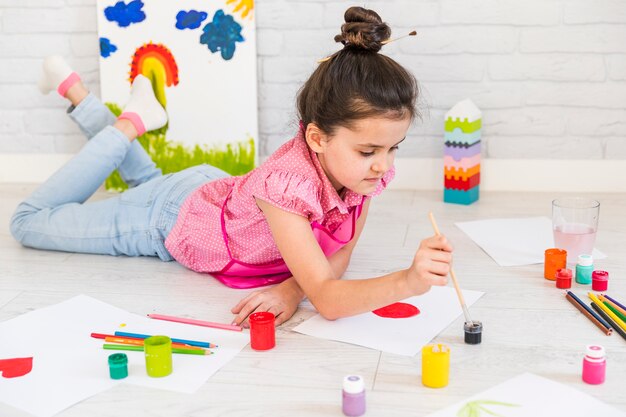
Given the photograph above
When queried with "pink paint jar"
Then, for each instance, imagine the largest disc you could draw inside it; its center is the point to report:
(594, 365)
(599, 280)
(564, 278)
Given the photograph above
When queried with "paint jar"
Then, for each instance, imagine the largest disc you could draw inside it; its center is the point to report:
(353, 396)
(584, 269)
(158, 350)
(473, 332)
(262, 330)
(554, 259)
(118, 366)
(594, 365)
(435, 365)
(564, 278)
(599, 280)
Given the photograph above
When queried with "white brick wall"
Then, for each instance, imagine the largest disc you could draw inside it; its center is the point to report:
(549, 75)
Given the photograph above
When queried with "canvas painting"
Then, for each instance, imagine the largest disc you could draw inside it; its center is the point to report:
(200, 57)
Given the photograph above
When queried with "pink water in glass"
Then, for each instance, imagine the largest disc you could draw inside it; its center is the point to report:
(576, 239)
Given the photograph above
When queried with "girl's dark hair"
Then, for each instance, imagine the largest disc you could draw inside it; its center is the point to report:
(357, 82)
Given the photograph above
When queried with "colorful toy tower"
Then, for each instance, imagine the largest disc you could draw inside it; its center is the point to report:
(462, 153)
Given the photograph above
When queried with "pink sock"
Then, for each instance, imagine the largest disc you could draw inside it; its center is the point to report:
(143, 110)
(135, 120)
(67, 83)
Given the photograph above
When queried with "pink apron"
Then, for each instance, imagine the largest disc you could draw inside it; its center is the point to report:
(237, 274)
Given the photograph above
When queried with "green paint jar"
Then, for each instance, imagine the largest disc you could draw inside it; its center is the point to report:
(118, 366)
(584, 269)
(158, 350)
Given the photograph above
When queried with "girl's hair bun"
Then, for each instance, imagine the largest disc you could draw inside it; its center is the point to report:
(364, 29)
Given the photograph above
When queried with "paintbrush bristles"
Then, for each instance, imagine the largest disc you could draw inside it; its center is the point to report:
(413, 33)
(319, 61)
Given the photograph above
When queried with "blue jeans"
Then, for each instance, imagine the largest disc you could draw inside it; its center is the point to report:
(135, 223)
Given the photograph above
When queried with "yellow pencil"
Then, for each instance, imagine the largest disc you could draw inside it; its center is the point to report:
(608, 311)
(615, 306)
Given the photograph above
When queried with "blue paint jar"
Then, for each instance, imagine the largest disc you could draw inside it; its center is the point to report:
(584, 269)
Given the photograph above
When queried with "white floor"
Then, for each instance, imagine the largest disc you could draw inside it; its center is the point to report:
(529, 326)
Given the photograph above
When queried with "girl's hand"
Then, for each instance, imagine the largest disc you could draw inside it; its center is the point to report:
(431, 264)
(282, 300)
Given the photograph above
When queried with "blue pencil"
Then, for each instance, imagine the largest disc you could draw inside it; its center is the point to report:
(186, 342)
(593, 313)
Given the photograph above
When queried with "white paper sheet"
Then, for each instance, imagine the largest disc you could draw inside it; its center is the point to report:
(530, 395)
(69, 365)
(406, 336)
(514, 242)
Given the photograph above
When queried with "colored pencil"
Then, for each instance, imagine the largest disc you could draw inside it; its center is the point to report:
(459, 294)
(174, 350)
(609, 320)
(589, 309)
(618, 313)
(196, 322)
(130, 340)
(606, 329)
(615, 306)
(612, 315)
(616, 302)
(140, 342)
(174, 340)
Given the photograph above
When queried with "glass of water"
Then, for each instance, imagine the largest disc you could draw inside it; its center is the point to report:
(575, 224)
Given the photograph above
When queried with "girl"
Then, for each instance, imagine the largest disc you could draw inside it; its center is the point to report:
(293, 221)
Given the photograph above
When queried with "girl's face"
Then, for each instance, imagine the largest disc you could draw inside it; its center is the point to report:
(358, 157)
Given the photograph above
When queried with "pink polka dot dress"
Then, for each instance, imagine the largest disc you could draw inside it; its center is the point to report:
(222, 215)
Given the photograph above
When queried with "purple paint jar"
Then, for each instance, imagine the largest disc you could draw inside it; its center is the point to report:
(353, 396)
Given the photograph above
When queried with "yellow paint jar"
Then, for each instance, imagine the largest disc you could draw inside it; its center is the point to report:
(158, 351)
(435, 365)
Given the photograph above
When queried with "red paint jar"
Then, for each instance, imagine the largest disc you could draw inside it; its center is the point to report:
(564, 278)
(599, 280)
(262, 331)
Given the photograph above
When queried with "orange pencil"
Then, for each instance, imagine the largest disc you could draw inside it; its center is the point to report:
(615, 306)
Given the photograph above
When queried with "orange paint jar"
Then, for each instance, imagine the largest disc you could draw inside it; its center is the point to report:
(555, 259)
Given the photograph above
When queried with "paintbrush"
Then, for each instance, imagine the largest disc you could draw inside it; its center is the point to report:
(459, 294)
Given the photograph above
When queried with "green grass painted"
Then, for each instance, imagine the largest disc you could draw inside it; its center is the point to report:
(235, 158)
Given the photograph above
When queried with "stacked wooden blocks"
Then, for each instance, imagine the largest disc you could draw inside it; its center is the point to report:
(462, 153)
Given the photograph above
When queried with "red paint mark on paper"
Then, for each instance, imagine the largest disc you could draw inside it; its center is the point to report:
(12, 368)
(397, 311)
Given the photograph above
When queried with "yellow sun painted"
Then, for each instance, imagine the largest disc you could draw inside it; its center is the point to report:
(246, 5)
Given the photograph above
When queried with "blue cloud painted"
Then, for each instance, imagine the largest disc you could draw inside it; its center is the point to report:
(106, 48)
(190, 20)
(125, 14)
(221, 34)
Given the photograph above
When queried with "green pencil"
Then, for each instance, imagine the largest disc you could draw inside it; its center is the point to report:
(616, 311)
(140, 349)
